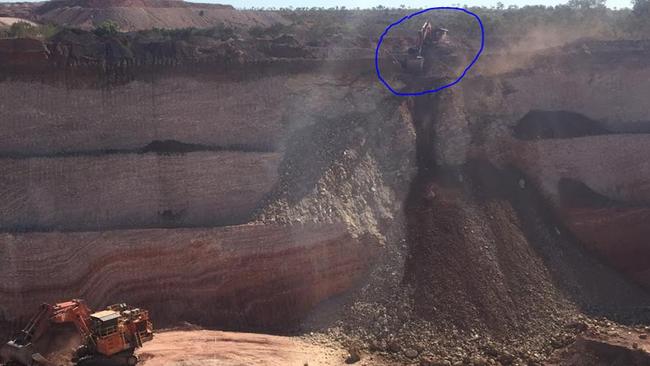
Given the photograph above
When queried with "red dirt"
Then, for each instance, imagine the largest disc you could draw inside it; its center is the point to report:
(203, 347)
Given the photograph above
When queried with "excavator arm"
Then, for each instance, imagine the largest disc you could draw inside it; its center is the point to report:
(22, 349)
(424, 36)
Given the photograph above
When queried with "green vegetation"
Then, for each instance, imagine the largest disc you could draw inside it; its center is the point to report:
(274, 30)
(22, 30)
(106, 28)
(575, 19)
(220, 31)
(319, 26)
(27, 30)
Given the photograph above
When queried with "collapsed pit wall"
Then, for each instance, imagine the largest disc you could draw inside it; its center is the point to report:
(472, 262)
(114, 162)
(489, 253)
(602, 84)
(618, 183)
(354, 165)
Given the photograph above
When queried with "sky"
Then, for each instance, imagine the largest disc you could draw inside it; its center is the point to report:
(389, 3)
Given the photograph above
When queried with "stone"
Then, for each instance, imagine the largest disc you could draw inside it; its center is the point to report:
(411, 353)
(352, 358)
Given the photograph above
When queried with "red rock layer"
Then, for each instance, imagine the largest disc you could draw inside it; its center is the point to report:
(615, 168)
(247, 276)
(620, 235)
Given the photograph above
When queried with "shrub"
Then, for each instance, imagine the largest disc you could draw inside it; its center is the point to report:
(106, 28)
(22, 30)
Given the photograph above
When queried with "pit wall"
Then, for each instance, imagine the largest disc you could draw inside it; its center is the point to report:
(134, 190)
(124, 192)
(239, 277)
(492, 250)
(605, 83)
(55, 118)
(78, 158)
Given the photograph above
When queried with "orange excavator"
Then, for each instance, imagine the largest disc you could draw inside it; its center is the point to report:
(427, 37)
(110, 335)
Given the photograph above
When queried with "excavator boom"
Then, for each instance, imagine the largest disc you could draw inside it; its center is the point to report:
(21, 349)
(112, 334)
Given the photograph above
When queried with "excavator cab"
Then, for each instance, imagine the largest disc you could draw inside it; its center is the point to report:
(440, 35)
(108, 339)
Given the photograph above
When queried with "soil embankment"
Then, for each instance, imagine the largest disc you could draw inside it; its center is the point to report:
(133, 15)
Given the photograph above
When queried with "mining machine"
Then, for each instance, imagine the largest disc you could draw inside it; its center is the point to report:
(427, 38)
(109, 336)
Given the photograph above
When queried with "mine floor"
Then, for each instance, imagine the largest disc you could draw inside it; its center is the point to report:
(208, 347)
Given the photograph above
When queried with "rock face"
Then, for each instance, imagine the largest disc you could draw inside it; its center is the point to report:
(608, 205)
(488, 239)
(22, 51)
(603, 81)
(134, 190)
(580, 139)
(244, 277)
(613, 166)
(128, 117)
(502, 230)
(130, 186)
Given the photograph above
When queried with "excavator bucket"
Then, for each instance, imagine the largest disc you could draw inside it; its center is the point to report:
(22, 355)
(415, 65)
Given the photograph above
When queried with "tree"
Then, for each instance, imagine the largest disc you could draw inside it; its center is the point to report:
(587, 4)
(106, 28)
(22, 30)
(641, 8)
(638, 20)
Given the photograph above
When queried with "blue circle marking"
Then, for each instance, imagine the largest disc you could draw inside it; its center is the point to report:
(381, 39)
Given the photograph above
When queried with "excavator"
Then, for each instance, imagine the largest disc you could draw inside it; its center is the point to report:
(427, 37)
(109, 336)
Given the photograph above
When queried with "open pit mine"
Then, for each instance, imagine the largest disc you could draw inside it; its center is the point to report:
(269, 202)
